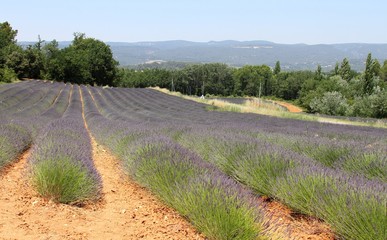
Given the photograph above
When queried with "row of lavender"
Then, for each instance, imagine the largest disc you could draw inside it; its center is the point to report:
(15, 136)
(217, 205)
(355, 205)
(337, 173)
(316, 168)
(42, 114)
(360, 150)
(61, 160)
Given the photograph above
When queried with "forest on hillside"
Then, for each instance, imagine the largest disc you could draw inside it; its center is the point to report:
(342, 91)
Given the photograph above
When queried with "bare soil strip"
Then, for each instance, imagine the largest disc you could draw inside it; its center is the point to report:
(291, 108)
(127, 211)
(290, 225)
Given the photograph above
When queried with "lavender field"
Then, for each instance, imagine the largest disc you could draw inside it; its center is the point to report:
(210, 166)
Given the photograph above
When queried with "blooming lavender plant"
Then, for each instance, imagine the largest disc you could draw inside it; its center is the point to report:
(354, 206)
(61, 161)
(14, 139)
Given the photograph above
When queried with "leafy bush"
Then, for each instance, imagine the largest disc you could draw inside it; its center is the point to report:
(374, 105)
(332, 103)
(7, 75)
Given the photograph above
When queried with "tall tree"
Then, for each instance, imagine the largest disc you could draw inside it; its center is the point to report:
(34, 62)
(345, 70)
(251, 80)
(336, 70)
(7, 41)
(368, 70)
(376, 67)
(7, 35)
(372, 69)
(319, 72)
(277, 68)
(383, 71)
(53, 61)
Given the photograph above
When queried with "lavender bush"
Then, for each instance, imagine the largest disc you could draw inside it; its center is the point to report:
(354, 206)
(61, 161)
(14, 139)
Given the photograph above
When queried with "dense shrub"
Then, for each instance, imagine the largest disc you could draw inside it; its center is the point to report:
(332, 103)
(7, 75)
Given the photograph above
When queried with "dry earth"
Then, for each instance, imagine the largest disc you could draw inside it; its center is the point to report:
(294, 225)
(290, 107)
(127, 211)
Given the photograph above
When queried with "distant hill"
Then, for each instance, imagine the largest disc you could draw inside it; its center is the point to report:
(237, 53)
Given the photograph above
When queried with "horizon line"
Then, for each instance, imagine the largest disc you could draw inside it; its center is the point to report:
(209, 41)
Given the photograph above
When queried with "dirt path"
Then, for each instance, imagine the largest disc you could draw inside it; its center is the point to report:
(290, 107)
(126, 212)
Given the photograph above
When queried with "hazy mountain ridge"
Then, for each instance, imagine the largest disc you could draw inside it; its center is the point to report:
(239, 53)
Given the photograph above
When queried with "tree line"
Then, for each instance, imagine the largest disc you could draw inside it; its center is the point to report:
(84, 61)
(341, 91)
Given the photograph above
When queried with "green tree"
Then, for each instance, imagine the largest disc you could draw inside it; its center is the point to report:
(372, 69)
(53, 61)
(376, 68)
(7, 35)
(218, 79)
(368, 75)
(253, 80)
(277, 68)
(34, 61)
(288, 85)
(319, 75)
(345, 70)
(88, 61)
(16, 61)
(336, 70)
(7, 45)
(383, 71)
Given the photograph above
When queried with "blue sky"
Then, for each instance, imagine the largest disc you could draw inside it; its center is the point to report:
(281, 21)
